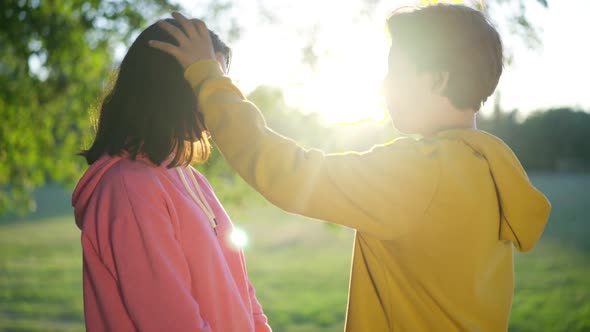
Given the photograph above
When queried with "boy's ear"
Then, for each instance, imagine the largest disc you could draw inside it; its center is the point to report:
(439, 81)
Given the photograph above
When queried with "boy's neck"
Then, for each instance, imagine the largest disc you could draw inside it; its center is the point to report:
(452, 119)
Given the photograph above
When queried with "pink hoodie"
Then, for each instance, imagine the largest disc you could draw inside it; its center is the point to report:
(152, 261)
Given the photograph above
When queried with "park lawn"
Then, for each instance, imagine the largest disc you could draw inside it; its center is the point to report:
(300, 269)
(40, 272)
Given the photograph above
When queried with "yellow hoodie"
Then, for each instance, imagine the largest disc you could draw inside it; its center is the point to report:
(435, 219)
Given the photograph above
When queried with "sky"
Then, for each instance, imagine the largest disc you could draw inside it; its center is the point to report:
(344, 83)
(558, 73)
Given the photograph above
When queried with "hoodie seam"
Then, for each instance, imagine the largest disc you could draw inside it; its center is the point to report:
(436, 188)
(131, 206)
(175, 234)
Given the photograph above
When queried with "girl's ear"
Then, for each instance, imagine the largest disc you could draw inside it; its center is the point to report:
(439, 81)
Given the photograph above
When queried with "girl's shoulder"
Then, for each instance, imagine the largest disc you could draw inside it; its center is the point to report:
(122, 171)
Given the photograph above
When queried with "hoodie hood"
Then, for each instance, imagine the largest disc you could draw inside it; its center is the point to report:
(88, 183)
(524, 209)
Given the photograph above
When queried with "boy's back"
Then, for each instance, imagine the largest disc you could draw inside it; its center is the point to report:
(451, 269)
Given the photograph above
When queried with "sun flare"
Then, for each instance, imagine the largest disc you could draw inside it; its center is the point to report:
(347, 83)
(238, 238)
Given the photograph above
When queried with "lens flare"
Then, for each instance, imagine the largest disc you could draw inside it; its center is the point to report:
(238, 238)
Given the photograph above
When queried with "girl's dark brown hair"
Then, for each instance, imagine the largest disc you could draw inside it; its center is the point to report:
(151, 109)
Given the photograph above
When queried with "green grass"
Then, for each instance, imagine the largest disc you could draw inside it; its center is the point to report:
(553, 281)
(40, 276)
(300, 268)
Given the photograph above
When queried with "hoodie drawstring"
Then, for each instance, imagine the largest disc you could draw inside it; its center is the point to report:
(201, 201)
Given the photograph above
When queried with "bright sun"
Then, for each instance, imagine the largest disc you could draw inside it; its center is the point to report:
(346, 86)
(343, 86)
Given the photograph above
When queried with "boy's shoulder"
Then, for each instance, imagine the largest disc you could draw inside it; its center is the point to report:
(459, 145)
(480, 142)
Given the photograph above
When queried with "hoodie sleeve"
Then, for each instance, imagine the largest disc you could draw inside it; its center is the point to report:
(380, 192)
(260, 319)
(149, 261)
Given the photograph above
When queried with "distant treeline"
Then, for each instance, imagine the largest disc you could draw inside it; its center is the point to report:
(551, 140)
(555, 140)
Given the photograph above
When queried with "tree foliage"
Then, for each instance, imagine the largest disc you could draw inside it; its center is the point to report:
(556, 140)
(55, 58)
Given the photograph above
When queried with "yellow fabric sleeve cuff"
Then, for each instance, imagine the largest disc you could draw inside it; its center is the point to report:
(202, 70)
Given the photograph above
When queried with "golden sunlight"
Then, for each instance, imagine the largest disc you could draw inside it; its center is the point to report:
(343, 98)
(346, 85)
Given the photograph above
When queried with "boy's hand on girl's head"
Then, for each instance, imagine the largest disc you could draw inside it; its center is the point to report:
(194, 44)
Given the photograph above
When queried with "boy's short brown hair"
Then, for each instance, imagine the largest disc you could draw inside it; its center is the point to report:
(454, 39)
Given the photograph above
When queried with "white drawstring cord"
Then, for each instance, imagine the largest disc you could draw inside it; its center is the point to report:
(201, 202)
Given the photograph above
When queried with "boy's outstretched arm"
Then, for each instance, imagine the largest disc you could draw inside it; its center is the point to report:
(379, 192)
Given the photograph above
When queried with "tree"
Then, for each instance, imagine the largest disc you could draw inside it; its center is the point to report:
(552, 140)
(56, 56)
(509, 15)
(54, 60)
(555, 140)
